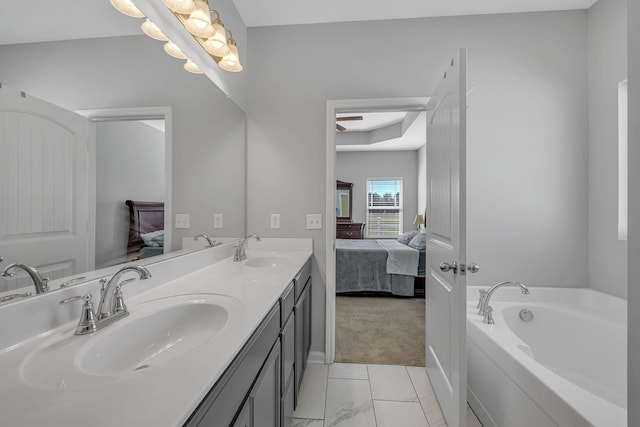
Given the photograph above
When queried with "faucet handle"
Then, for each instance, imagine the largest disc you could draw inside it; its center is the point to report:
(483, 294)
(488, 315)
(119, 304)
(87, 322)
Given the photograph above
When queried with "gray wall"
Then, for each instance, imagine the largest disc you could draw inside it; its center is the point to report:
(633, 17)
(208, 128)
(357, 166)
(607, 53)
(129, 165)
(527, 144)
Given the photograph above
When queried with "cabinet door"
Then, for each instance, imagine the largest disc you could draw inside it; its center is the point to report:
(300, 364)
(307, 323)
(244, 419)
(288, 351)
(265, 394)
(287, 404)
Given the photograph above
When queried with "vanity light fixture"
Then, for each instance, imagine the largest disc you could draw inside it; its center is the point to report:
(127, 7)
(191, 67)
(152, 30)
(195, 16)
(173, 50)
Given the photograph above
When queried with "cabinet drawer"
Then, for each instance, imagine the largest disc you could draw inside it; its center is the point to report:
(349, 234)
(301, 279)
(287, 301)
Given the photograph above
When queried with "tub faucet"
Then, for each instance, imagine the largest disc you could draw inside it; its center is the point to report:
(240, 249)
(484, 299)
(42, 285)
(211, 242)
(111, 298)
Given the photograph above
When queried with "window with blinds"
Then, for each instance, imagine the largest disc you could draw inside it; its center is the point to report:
(384, 208)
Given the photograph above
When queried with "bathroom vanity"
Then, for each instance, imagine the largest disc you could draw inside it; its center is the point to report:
(208, 342)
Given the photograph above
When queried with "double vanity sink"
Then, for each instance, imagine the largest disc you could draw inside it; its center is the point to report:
(154, 366)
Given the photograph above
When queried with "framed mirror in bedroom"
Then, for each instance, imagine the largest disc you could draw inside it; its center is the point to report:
(344, 191)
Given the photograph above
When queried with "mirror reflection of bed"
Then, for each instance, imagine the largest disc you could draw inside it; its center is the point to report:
(146, 229)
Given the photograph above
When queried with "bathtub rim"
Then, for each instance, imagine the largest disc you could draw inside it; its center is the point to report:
(540, 384)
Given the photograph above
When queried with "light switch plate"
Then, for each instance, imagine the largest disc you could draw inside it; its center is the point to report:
(182, 220)
(275, 221)
(314, 221)
(218, 220)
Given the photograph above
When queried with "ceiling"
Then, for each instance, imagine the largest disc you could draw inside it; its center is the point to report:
(67, 19)
(383, 131)
(258, 13)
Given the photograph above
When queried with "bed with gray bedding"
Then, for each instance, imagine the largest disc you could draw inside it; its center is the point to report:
(377, 266)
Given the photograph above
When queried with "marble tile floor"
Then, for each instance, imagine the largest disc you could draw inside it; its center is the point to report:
(355, 395)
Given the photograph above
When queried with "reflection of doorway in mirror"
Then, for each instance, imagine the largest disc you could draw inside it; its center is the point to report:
(130, 165)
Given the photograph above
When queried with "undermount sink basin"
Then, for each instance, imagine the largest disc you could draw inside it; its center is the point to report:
(155, 338)
(155, 333)
(265, 261)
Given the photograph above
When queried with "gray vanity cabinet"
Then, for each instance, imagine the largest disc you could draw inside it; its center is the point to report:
(302, 313)
(226, 403)
(260, 387)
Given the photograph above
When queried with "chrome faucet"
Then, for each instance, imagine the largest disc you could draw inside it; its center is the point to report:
(241, 254)
(485, 297)
(111, 292)
(41, 284)
(111, 307)
(212, 243)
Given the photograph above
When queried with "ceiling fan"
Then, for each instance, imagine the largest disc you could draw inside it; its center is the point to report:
(345, 119)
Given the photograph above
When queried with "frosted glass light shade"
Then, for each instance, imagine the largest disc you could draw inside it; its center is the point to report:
(192, 67)
(173, 50)
(184, 7)
(152, 30)
(217, 44)
(127, 7)
(231, 62)
(199, 22)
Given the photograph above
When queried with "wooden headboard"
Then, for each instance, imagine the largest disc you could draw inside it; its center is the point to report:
(144, 217)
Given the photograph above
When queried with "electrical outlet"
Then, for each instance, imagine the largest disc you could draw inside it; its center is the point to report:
(275, 221)
(182, 220)
(218, 220)
(314, 221)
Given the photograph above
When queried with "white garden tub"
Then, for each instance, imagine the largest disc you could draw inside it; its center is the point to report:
(566, 367)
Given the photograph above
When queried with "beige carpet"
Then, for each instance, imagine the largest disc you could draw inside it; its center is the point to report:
(380, 330)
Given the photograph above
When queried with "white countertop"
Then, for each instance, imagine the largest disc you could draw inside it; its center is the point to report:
(165, 395)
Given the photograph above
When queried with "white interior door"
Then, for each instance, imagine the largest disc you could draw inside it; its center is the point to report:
(446, 354)
(44, 187)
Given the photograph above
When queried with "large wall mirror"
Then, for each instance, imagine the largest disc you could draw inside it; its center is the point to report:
(206, 129)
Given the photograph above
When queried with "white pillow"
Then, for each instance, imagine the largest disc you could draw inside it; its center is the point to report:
(406, 237)
(419, 242)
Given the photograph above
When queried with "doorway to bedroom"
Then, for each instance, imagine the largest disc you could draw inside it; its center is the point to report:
(376, 306)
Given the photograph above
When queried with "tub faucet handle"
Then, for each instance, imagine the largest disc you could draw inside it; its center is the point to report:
(483, 294)
(488, 315)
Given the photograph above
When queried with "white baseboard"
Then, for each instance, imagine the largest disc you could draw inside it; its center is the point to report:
(316, 357)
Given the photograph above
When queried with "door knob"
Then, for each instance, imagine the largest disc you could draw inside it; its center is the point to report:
(473, 268)
(445, 267)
